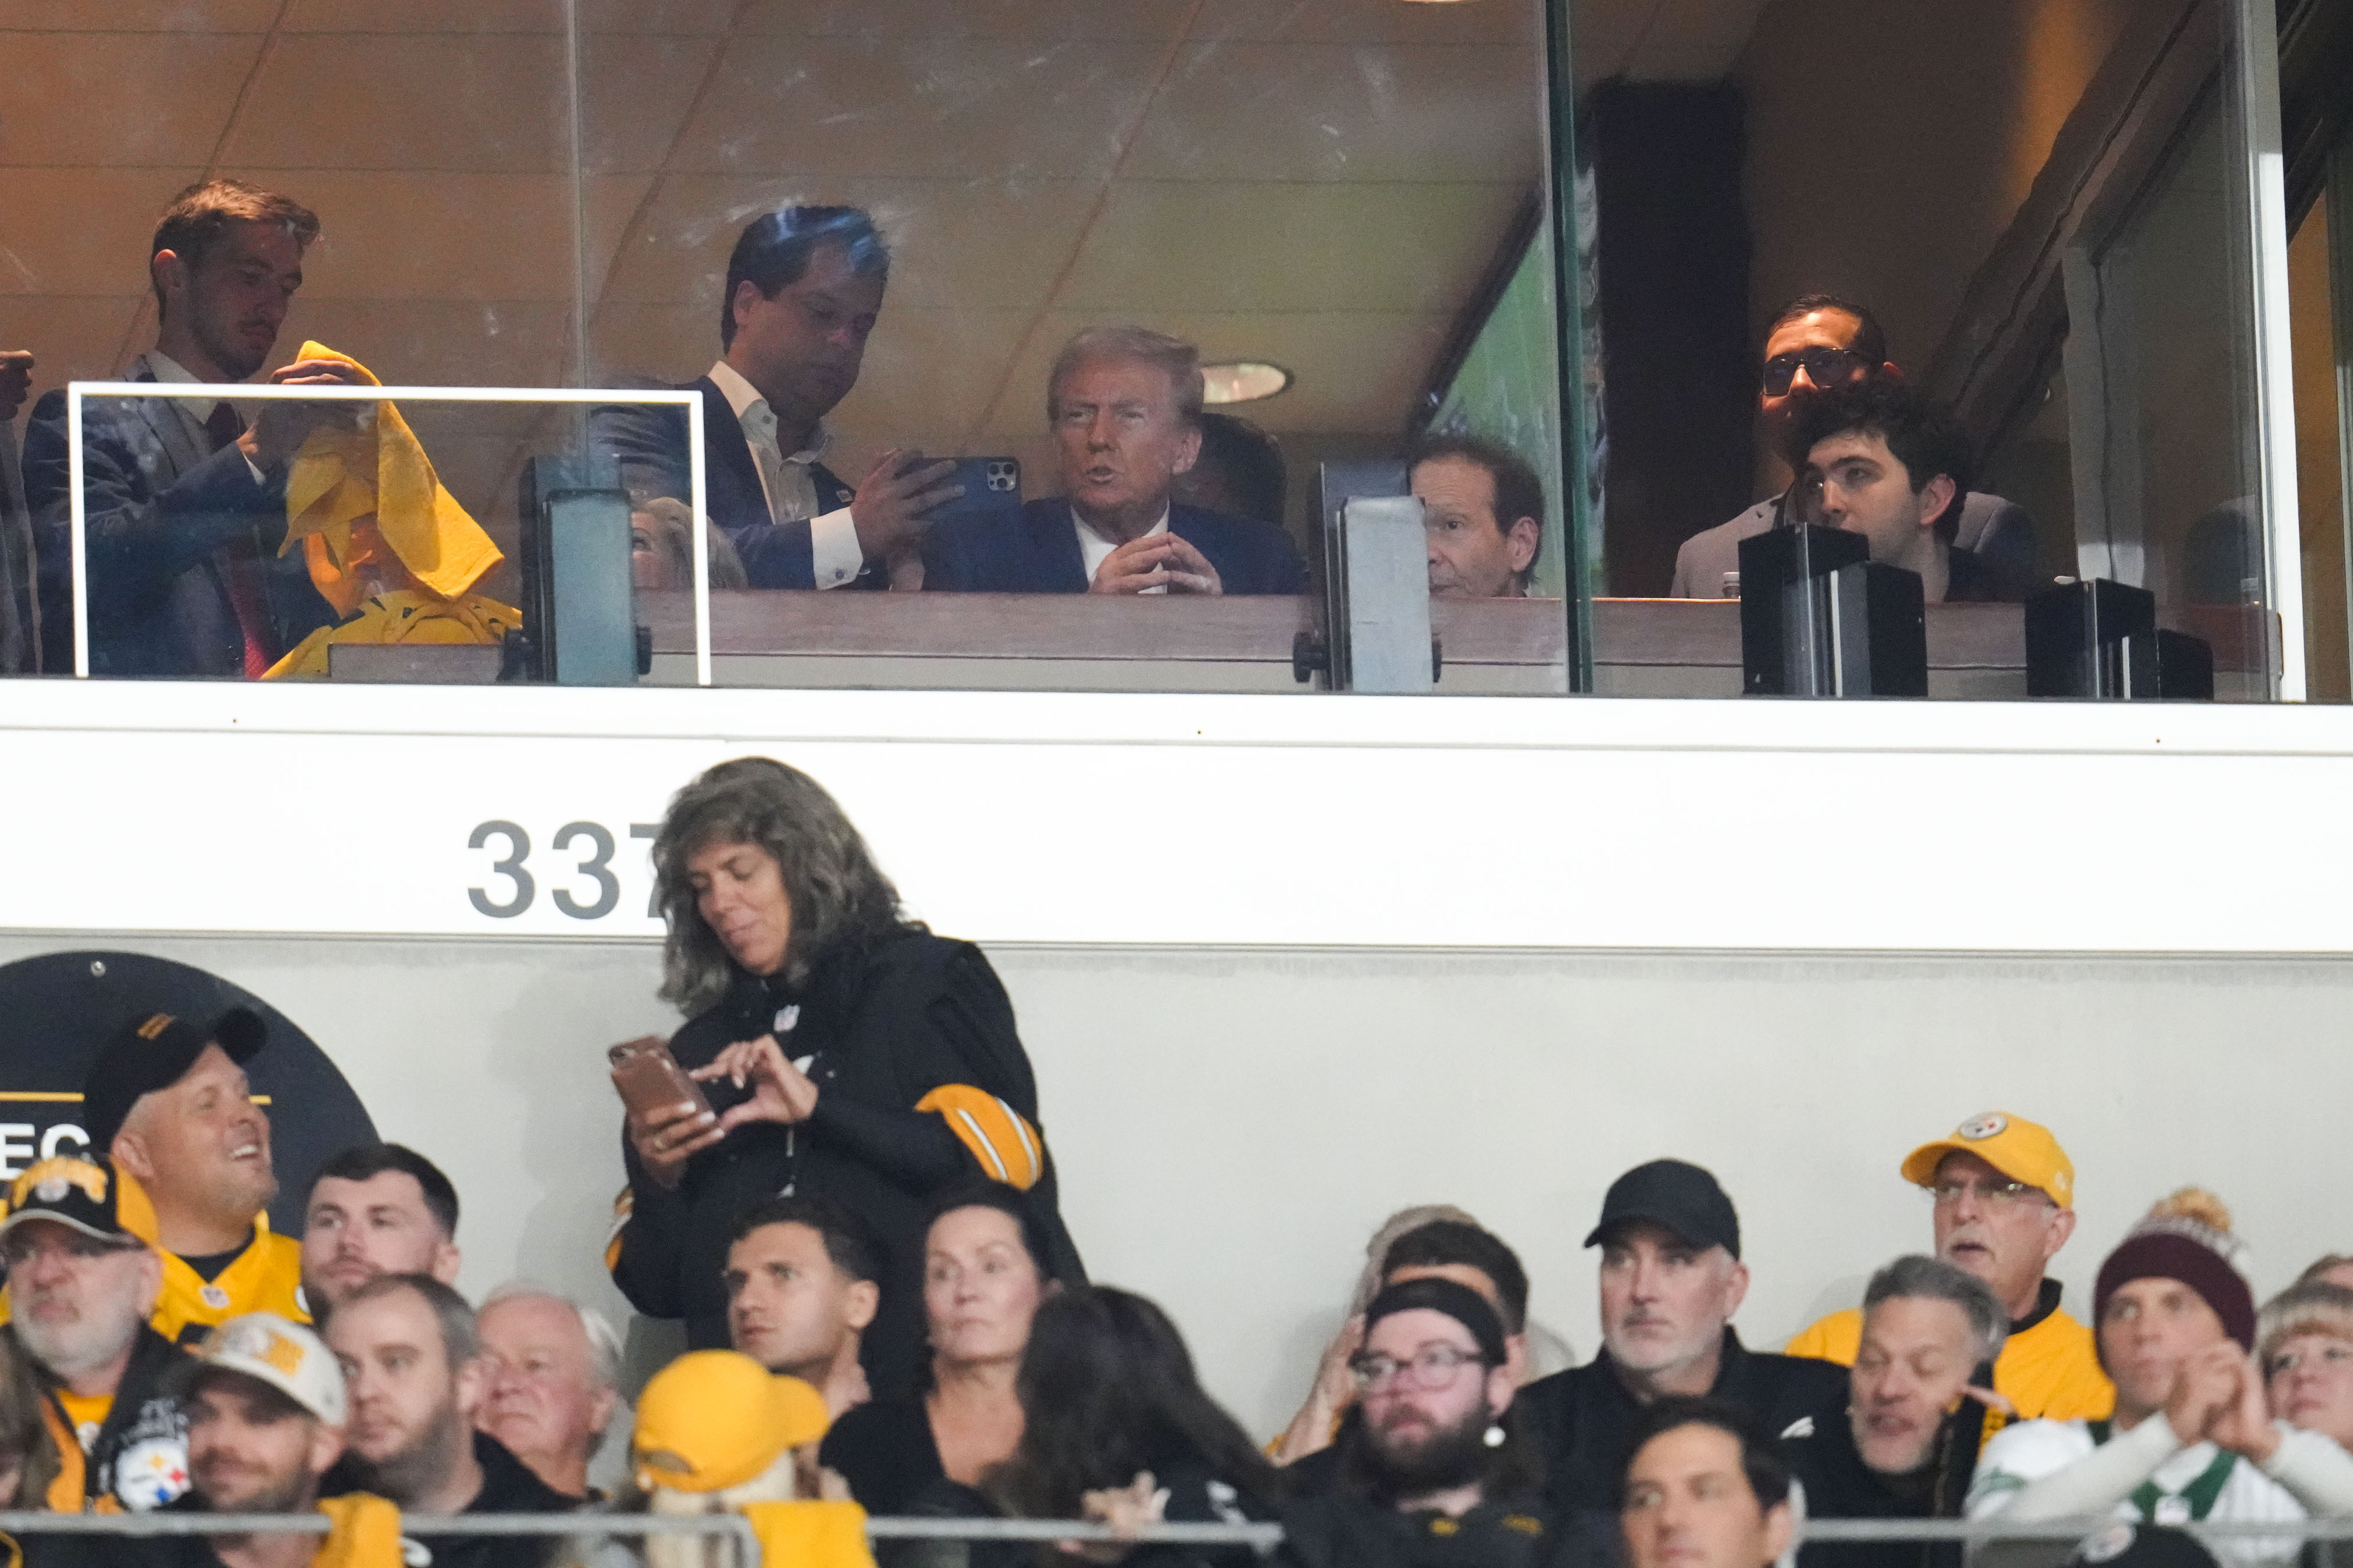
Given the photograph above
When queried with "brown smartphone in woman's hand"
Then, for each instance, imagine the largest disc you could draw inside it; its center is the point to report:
(651, 1080)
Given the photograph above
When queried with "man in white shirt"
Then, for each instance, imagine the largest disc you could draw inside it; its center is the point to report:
(804, 290)
(185, 503)
(2190, 1439)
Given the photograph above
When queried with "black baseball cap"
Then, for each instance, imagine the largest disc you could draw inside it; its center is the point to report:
(84, 1193)
(1674, 1193)
(154, 1051)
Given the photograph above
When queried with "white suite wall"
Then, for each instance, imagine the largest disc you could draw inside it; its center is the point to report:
(1230, 1124)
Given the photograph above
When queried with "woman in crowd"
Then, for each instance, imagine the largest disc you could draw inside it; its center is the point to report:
(984, 1280)
(1116, 1426)
(845, 1050)
(2303, 1342)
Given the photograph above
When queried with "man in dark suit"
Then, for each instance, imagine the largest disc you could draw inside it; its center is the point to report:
(185, 506)
(1126, 405)
(804, 290)
(1819, 341)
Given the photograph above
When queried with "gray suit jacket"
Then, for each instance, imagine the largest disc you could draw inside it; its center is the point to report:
(161, 512)
(1997, 532)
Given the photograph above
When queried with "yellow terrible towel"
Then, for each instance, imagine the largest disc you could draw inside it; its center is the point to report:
(365, 1534)
(344, 478)
(810, 1534)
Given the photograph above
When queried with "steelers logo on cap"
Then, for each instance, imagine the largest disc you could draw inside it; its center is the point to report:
(1977, 1128)
(53, 1190)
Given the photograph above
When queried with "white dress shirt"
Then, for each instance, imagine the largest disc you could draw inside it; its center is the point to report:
(1094, 549)
(194, 412)
(787, 482)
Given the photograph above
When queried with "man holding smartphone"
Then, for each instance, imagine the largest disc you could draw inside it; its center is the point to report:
(804, 290)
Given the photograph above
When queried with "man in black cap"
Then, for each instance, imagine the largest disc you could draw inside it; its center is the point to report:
(1436, 1472)
(82, 1278)
(1672, 1280)
(167, 1100)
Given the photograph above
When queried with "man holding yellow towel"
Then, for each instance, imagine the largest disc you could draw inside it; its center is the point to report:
(187, 504)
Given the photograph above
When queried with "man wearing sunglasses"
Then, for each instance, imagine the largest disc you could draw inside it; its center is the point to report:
(1819, 341)
(2000, 1189)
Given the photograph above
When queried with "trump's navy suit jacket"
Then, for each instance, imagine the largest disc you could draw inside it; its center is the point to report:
(1035, 550)
(161, 511)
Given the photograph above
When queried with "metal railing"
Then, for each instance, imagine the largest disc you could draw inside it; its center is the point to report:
(1259, 1536)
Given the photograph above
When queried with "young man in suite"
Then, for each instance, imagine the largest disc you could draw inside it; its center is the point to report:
(1817, 342)
(186, 505)
(1125, 406)
(804, 290)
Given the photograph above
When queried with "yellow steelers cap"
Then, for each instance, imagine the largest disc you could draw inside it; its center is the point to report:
(2021, 1150)
(714, 1419)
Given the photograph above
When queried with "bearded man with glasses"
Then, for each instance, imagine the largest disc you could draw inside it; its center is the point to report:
(1814, 343)
(2001, 1189)
(1437, 1474)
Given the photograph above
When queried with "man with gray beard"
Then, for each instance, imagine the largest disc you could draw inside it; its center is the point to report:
(412, 1366)
(83, 1275)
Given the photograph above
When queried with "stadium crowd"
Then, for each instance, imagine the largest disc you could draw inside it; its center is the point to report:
(839, 1183)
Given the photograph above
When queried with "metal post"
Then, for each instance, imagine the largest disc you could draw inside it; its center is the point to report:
(2253, 37)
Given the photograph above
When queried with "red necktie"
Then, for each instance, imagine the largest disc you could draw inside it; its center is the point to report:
(242, 573)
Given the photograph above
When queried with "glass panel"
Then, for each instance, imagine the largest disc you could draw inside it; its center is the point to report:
(2164, 323)
(360, 560)
(2036, 211)
(1347, 192)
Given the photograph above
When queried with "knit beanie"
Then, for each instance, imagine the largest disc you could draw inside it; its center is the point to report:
(2186, 1237)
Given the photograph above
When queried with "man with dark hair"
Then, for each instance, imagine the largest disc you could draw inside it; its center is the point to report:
(804, 290)
(1440, 1250)
(804, 1278)
(186, 507)
(1814, 343)
(1483, 510)
(411, 1360)
(1702, 1488)
(1437, 1469)
(1125, 406)
(1672, 1280)
(1876, 458)
(1907, 1443)
(379, 1208)
(1240, 471)
(169, 1103)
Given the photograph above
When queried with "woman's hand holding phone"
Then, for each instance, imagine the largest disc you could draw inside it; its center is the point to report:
(780, 1091)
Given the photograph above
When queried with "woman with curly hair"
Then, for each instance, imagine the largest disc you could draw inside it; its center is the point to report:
(845, 1051)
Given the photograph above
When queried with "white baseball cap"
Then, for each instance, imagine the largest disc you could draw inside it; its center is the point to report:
(286, 1356)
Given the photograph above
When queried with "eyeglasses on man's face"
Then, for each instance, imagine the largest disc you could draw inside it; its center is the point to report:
(1433, 1367)
(1992, 1194)
(1823, 367)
